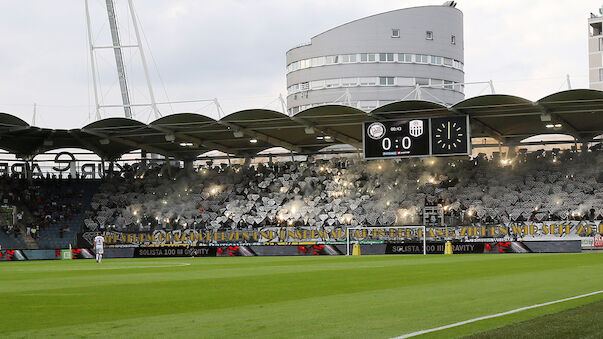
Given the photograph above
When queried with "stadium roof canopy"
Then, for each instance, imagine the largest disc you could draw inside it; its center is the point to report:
(509, 119)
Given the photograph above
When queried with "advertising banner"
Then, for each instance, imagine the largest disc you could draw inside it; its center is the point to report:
(487, 247)
(151, 252)
(553, 230)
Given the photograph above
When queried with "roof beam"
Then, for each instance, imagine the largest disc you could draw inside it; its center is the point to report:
(566, 125)
(262, 136)
(128, 142)
(88, 145)
(38, 146)
(336, 135)
(188, 138)
(491, 131)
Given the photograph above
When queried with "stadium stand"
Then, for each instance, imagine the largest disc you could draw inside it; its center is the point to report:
(49, 211)
(537, 186)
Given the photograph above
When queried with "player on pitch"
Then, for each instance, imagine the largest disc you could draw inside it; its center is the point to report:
(98, 247)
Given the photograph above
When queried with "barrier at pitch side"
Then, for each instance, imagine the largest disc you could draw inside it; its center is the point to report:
(306, 249)
(20, 255)
(496, 247)
(562, 246)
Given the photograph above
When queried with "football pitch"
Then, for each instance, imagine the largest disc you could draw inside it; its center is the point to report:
(311, 297)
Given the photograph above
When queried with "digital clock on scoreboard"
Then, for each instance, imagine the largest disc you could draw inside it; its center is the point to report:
(416, 137)
(449, 136)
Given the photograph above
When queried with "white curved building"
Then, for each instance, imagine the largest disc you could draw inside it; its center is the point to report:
(411, 53)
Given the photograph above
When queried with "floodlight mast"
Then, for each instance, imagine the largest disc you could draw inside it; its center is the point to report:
(121, 73)
(119, 60)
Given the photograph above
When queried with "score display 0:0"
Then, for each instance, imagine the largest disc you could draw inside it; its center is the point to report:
(387, 143)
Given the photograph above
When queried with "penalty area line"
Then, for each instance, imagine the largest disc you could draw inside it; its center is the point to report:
(460, 323)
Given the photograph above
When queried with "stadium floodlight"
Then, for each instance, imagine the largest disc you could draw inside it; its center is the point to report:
(309, 130)
(170, 137)
(238, 134)
(375, 234)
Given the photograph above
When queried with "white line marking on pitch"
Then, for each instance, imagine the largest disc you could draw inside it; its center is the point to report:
(460, 323)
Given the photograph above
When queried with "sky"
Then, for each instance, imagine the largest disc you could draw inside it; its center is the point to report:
(234, 50)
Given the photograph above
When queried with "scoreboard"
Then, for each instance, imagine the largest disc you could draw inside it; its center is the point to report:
(417, 137)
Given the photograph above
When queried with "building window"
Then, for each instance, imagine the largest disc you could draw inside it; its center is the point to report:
(367, 57)
(447, 62)
(422, 58)
(349, 82)
(304, 86)
(453, 40)
(318, 61)
(386, 81)
(305, 63)
(348, 58)
(429, 35)
(368, 81)
(330, 83)
(386, 57)
(600, 74)
(332, 59)
(395, 33)
(595, 28)
(422, 81)
(436, 83)
(600, 44)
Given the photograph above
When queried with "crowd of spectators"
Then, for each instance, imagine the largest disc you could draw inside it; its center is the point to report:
(39, 203)
(538, 186)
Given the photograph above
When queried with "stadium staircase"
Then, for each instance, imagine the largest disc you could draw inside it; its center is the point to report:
(30, 243)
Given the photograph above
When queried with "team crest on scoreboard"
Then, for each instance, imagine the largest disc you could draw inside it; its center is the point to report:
(376, 130)
(415, 128)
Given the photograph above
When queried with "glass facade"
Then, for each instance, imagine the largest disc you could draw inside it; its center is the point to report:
(374, 81)
(376, 58)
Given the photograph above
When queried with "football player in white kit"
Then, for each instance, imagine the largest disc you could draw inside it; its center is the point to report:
(98, 247)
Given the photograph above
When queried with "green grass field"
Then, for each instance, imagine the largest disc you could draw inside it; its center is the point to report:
(312, 297)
